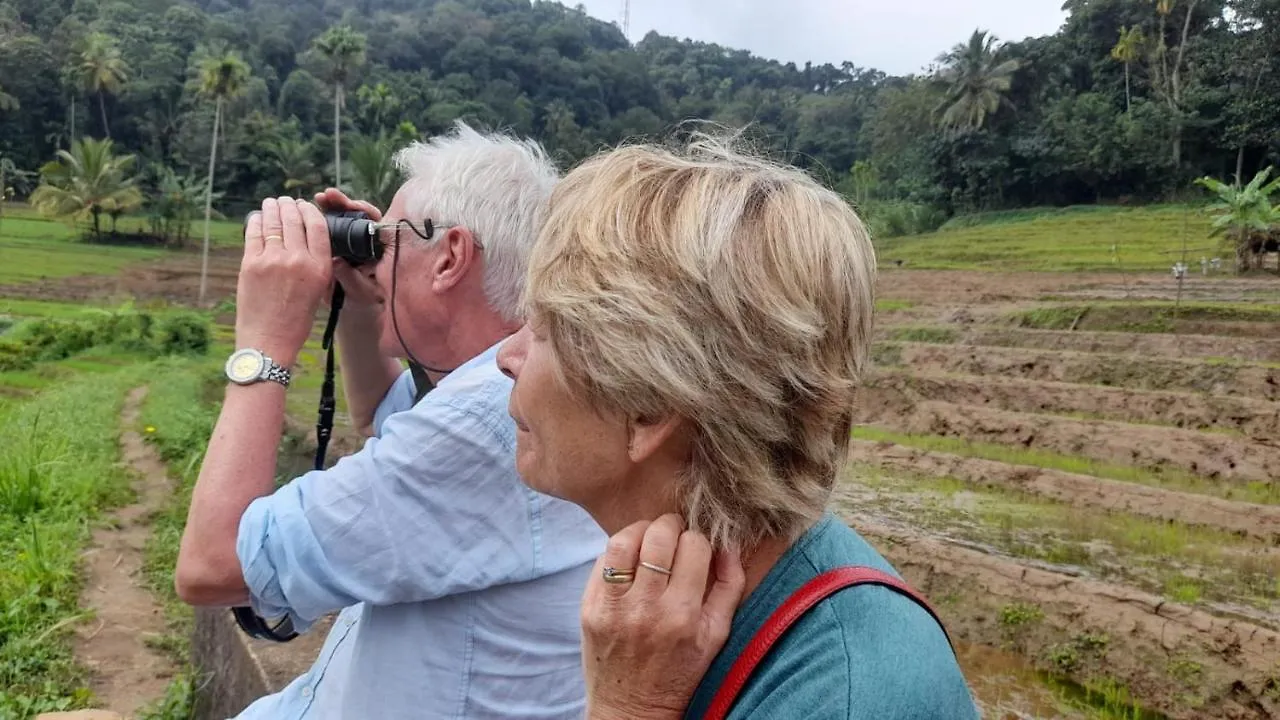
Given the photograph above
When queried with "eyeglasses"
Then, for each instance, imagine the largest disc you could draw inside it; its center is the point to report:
(427, 232)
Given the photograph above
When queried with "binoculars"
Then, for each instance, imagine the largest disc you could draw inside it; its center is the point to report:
(353, 236)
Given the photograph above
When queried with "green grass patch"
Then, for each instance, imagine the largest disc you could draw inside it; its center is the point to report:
(58, 471)
(924, 334)
(1258, 492)
(1060, 240)
(893, 305)
(35, 248)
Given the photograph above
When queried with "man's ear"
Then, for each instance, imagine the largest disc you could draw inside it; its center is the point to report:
(647, 437)
(456, 252)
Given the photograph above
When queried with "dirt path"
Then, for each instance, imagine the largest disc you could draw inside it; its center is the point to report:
(127, 674)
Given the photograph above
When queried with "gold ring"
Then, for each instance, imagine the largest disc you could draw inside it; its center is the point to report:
(656, 568)
(273, 237)
(619, 577)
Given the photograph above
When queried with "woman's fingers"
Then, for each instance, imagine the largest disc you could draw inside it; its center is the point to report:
(729, 582)
(617, 567)
(658, 554)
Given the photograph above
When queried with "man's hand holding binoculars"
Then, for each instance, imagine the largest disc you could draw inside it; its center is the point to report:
(286, 271)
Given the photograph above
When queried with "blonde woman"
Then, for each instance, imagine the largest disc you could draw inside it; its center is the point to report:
(697, 324)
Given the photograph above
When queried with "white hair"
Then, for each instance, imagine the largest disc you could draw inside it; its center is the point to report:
(494, 185)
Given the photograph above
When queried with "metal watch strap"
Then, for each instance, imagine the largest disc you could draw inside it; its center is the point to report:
(277, 373)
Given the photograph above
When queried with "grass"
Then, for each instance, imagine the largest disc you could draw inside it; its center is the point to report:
(35, 248)
(58, 472)
(1257, 492)
(1153, 553)
(1059, 240)
(924, 334)
(1141, 317)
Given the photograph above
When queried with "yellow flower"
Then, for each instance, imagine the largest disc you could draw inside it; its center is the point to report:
(151, 428)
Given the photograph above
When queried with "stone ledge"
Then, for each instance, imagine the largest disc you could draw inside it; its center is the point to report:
(235, 669)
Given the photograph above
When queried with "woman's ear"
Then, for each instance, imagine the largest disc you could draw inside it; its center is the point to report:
(649, 436)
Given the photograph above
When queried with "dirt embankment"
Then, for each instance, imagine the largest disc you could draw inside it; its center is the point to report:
(1084, 491)
(1182, 662)
(1216, 457)
(1258, 419)
(1136, 373)
(1117, 343)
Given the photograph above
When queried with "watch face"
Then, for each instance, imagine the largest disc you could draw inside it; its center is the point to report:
(245, 366)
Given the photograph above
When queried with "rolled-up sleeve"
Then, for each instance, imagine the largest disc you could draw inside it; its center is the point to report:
(431, 507)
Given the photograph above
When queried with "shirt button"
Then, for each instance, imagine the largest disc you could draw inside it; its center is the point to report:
(306, 692)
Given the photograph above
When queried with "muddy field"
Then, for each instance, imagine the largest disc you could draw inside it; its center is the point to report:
(1095, 511)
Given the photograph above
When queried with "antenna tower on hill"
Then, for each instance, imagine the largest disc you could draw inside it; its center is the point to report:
(626, 19)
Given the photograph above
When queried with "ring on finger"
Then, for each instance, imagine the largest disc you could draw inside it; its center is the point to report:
(273, 237)
(656, 568)
(615, 576)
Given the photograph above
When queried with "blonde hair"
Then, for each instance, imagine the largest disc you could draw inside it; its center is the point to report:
(729, 291)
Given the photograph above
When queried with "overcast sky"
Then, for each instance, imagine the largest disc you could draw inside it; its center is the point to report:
(897, 36)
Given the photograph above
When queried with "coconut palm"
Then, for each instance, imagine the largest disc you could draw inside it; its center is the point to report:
(223, 76)
(292, 158)
(1245, 214)
(86, 181)
(1128, 51)
(343, 49)
(376, 175)
(102, 71)
(976, 80)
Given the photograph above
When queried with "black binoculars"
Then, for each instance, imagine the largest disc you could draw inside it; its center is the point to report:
(353, 236)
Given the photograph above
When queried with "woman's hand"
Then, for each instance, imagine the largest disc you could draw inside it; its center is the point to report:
(647, 641)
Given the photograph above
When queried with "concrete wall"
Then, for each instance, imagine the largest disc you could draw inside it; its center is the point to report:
(235, 669)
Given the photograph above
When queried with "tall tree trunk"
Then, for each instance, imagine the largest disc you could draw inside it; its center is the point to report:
(1128, 100)
(102, 105)
(1240, 166)
(97, 227)
(337, 135)
(208, 201)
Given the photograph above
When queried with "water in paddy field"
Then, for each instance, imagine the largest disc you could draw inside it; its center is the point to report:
(1008, 687)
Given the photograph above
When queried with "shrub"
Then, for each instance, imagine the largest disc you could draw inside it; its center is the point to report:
(185, 334)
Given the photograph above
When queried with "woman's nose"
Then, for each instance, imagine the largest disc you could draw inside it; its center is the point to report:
(511, 354)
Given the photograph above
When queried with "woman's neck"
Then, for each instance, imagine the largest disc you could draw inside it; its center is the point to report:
(757, 563)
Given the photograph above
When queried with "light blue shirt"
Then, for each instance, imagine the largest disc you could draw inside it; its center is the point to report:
(461, 586)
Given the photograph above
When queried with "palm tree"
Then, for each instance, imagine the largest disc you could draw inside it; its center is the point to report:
(102, 70)
(1245, 214)
(86, 181)
(223, 76)
(176, 205)
(379, 104)
(343, 48)
(1128, 50)
(977, 80)
(376, 175)
(11, 173)
(293, 159)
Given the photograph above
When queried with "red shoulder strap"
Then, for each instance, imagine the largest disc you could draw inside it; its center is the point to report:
(804, 600)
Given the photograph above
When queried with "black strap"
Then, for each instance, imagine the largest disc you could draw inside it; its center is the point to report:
(421, 382)
(328, 404)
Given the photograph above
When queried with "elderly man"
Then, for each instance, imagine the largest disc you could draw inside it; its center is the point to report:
(461, 586)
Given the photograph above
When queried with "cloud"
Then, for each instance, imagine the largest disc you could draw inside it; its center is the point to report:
(899, 36)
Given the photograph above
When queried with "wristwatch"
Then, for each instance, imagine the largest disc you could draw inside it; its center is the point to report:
(249, 366)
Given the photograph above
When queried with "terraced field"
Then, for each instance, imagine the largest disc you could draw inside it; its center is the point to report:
(1085, 479)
